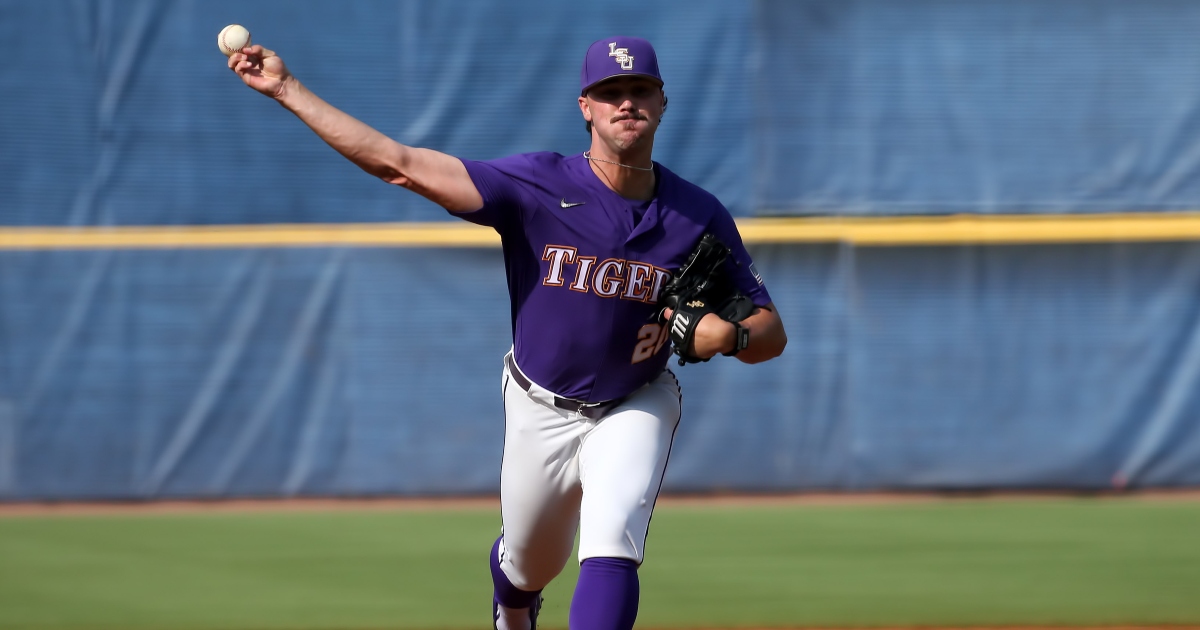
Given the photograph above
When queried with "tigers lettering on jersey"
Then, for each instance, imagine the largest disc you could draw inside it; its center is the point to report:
(614, 277)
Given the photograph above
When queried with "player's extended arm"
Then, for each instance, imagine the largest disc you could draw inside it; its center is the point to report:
(716, 336)
(439, 177)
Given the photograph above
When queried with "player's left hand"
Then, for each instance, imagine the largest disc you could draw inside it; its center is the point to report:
(713, 335)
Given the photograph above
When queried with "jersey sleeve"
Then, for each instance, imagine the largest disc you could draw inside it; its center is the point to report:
(745, 275)
(501, 193)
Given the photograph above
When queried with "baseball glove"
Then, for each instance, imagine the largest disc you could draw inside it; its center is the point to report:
(701, 286)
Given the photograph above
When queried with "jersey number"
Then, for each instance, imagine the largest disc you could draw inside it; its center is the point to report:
(651, 338)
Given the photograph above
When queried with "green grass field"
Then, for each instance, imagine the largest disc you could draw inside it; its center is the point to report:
(1004, 562)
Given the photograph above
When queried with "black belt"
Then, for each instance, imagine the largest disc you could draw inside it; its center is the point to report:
(591, 411)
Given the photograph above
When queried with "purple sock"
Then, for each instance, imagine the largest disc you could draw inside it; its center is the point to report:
(606, 596)
(504, 592)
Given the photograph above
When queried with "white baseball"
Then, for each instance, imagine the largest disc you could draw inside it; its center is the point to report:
(233, 39)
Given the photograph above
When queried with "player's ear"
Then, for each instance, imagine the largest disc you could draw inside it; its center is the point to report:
(585, 109)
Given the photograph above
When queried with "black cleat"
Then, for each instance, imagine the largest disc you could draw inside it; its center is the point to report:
(533, 613)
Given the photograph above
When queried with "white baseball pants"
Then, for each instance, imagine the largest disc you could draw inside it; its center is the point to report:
(562, 472)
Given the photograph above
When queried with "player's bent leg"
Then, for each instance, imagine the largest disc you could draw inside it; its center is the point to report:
(622, 462)
(512, 608)
(606, 595)
(507, 593)
(539, 489)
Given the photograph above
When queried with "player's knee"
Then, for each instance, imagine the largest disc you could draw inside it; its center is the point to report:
(530, 571)
(620, 547)
(529, 576)
(614, 536)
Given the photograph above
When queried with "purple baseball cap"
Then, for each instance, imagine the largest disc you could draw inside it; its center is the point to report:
(618, 57)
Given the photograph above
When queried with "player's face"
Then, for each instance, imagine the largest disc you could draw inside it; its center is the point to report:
(624, 111)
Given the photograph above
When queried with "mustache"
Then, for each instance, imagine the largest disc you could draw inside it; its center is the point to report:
(619, 118)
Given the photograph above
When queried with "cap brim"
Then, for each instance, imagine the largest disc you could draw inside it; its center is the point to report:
(623, 74)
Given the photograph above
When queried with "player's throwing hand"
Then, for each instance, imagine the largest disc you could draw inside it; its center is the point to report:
(260, 69)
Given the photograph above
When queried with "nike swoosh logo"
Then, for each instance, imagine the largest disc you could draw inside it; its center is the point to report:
(564, 203)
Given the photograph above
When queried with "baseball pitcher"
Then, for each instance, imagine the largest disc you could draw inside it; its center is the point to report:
(613, 263)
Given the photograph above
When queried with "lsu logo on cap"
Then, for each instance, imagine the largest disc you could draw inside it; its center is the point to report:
(622, 54)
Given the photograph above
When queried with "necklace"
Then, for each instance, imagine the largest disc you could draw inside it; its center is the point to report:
(588, 155)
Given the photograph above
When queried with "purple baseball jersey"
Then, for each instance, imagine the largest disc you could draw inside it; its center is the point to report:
(585, 267)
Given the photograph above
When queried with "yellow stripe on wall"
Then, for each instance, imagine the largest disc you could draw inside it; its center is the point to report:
(445, 234)
(863, 231)
(975, 229)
